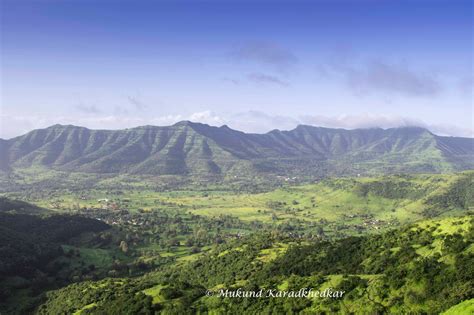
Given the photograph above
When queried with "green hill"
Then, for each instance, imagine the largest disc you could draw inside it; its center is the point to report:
(19, 207)
(424, 268)
(188, 148)
(32, 258)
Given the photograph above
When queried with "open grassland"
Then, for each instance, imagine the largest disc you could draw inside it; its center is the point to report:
(355, 204)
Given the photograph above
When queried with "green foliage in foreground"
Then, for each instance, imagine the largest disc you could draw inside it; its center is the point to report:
(28, 242)
(424, 268)
(31, 257)
(466, 307)
(43, 253)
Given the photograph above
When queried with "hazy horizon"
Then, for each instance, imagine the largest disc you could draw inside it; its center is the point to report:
(225, 125)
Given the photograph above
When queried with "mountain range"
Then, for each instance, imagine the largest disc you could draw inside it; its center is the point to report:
(188, 148)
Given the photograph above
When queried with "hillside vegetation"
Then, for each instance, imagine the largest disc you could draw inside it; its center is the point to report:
(129, 246)
(203, 151)
(31, 257)
(421, 268)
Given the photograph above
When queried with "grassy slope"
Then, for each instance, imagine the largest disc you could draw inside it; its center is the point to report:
(371, 292)
(196, 149)
(466, 307)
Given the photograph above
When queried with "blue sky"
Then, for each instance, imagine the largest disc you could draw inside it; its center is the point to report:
(254, 65)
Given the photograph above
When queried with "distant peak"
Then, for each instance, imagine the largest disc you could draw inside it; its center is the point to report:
(188, 123)
(183, 123)
(302, 126)
(194, 125)
(411, 128)
(59, 126)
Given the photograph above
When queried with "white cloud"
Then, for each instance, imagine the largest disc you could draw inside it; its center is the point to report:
(137, 103)
(12, 126)
(266, 53)
(207, 117)
(88, 109)
(384, 121)
(365, 76)
(250, 121)
(259, 122)
(262, 78)
(360, 121)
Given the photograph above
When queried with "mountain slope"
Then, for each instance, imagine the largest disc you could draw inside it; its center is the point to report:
(188, 148)
(423, 268)
(19, 207)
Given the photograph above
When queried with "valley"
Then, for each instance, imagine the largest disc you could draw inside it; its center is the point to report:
(147, 234)
(236, 157)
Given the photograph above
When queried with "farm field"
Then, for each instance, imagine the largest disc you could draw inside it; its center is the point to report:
(357, 204)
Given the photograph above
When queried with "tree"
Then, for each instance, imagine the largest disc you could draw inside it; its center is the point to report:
(124, 246)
